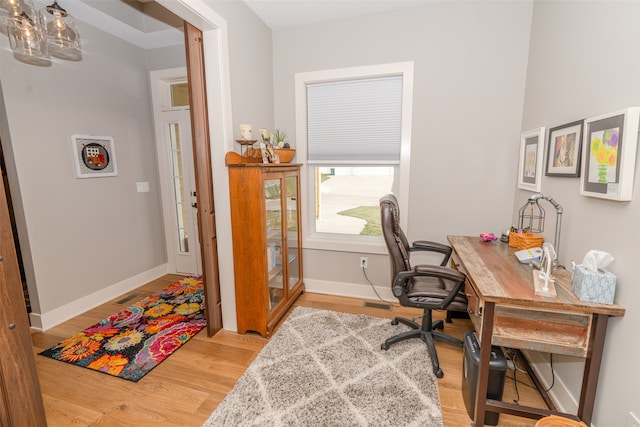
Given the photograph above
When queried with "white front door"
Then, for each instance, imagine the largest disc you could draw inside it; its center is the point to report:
(183, 245)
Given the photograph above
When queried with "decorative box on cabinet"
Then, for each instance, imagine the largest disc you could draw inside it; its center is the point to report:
(267, 250)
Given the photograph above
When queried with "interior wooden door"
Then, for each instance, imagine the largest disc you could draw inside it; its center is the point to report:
(20, 395)
(204, 176)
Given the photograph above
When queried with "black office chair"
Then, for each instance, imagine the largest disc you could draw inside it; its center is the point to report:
(429, 287)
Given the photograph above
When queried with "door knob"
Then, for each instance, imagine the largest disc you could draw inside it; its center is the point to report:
(12, 325)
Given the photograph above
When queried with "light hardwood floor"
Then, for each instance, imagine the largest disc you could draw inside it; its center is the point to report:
(184, 389)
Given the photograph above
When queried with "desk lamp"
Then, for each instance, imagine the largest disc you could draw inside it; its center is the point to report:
(533, 219)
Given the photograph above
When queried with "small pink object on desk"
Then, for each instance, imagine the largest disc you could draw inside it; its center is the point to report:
(487, 237)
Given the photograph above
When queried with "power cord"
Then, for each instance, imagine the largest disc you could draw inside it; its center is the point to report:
(364, 272)
(513, 358)
(553, 373)
(515, 385)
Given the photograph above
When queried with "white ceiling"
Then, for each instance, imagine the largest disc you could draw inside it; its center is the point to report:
(148, 25)
(279, 14)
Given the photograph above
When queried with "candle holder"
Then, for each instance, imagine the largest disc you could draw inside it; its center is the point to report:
(245, 144)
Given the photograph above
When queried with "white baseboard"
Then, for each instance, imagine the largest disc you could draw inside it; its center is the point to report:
(352, 290)
(45, 321)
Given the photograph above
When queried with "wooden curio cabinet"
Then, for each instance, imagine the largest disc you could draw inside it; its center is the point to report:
(267, 250)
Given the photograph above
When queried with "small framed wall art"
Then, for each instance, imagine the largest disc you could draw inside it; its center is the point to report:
(531, 153)
(95, 156)
(609, 155)
(564, 149)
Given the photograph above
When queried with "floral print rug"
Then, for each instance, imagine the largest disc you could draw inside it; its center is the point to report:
(132, 342)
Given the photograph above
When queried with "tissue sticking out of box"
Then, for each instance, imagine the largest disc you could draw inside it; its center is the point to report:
(596, 261)
(591, 282)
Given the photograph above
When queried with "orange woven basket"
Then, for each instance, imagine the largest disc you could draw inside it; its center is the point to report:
(556, 421)
(525, 240)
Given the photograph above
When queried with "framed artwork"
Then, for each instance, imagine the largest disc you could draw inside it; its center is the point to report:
(265, 153)
(530, 166)
(94, 156)
(609, 155)
(564, 149)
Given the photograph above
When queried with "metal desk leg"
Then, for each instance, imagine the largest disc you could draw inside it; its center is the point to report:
(484, 363)
(592, 368)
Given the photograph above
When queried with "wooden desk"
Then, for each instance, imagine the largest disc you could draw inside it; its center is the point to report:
(506, 312)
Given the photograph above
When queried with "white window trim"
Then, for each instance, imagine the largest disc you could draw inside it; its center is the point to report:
(346, 243)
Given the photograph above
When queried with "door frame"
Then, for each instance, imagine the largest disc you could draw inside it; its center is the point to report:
(160, 85)
(218, 95)
(20, 393)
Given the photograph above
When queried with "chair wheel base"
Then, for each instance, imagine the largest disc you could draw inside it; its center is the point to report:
(394, 322)
(438, 373)
(384, 347)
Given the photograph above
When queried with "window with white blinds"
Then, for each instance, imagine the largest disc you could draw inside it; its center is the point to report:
(354, 121)
(353, 133)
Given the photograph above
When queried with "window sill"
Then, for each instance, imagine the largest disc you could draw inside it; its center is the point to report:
(339, 243)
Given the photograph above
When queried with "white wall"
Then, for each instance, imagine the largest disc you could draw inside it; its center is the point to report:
(80, 236)
(250, 61)
(583, 62)
(86, 241)
(166, 57)
(470, 62)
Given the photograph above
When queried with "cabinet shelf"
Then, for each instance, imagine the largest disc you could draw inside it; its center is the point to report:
(273, 273)
(267, 248)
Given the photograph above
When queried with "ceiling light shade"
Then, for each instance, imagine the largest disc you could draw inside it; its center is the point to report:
(60, 33)
(25, 38)
(9, 10)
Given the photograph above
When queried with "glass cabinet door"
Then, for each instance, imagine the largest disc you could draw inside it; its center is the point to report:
(275, 272)
(291, 200)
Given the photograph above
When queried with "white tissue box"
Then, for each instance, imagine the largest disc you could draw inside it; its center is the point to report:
(594, 287)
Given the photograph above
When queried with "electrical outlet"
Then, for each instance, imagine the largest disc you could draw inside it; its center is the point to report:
(364, 264)
(633, 420)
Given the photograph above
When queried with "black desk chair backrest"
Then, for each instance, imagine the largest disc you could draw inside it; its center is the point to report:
(429, 287)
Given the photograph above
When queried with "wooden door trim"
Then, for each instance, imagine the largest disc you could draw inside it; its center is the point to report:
(20, 393)
(204, 176)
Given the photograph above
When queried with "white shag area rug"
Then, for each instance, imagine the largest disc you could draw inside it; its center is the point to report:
(324, 368)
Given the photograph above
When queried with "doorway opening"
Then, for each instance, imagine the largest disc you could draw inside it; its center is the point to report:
(14, 228)
(172, 119)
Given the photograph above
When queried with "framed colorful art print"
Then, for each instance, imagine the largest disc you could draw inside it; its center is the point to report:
(94, 156)
(564, 149)
(609, 155)
(530, 166)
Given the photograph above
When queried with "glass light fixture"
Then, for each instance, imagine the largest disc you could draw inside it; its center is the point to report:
(33, 36)
(10, 10)
(25, 38)
(60, 33)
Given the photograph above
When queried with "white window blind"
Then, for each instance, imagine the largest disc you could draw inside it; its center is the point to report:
(354, 121)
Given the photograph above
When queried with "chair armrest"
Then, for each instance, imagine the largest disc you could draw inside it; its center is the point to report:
(427, 245)
(440, 272)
